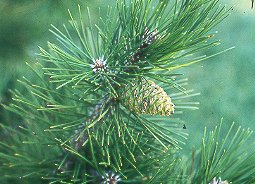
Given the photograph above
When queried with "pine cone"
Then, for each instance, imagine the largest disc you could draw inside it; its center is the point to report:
(145, 97)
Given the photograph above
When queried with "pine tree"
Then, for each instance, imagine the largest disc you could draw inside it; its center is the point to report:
(105, 101)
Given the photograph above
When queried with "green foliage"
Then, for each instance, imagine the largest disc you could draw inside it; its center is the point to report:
(77, 125)
(228, 158)
(25, 24)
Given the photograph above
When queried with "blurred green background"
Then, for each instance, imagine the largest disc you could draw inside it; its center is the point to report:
(226, 82)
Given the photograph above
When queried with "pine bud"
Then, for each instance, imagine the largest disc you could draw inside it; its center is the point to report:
(145, 97)
(99, 65)
(150, 37)
(215, 181)
(110, 178)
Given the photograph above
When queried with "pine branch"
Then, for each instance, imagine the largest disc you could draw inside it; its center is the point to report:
(84, 104)
(228, 158)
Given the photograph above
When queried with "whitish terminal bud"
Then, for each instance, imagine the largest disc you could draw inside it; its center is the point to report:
(150, 37)
(215, 181)
(110, 178)
(99, 65)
